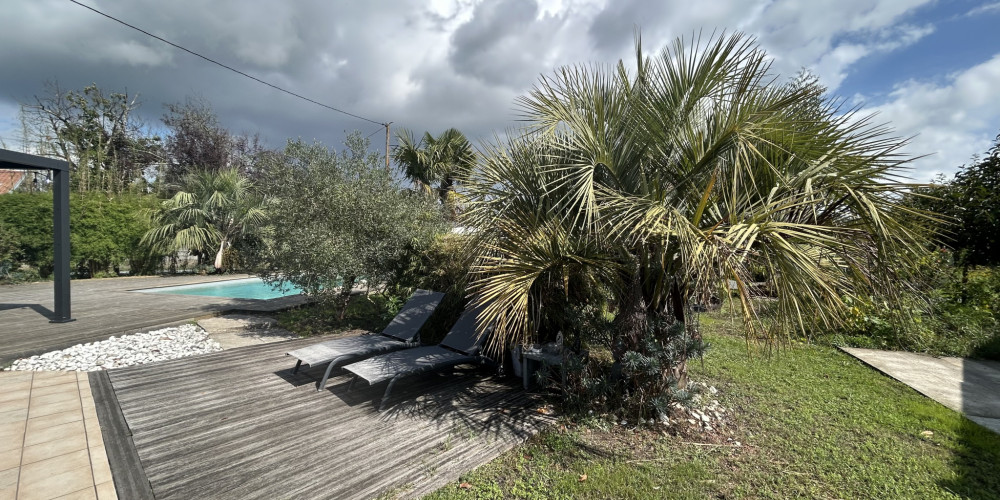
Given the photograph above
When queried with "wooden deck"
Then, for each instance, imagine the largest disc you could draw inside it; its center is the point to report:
(238, 424)
(105, 307)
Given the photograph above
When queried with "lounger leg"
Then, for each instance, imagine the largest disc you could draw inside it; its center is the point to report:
(385, 397)
(353, 380)
(326, 375)
(297, 365)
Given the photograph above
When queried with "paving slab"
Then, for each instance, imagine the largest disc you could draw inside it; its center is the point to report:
(971, 387)
(48, 454)
(237, 330)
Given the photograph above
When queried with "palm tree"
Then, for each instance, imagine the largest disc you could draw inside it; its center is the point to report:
(215, 209)
(433, 160)
(669, 182)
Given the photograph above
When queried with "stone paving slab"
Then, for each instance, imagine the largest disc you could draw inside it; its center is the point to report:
(51, 444)
(971, 387)
(237, 330)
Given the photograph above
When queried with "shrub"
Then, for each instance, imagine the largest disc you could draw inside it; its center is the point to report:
(29, 217)
(956, 313)
(336, 218)
(643, 382)
(442, 265)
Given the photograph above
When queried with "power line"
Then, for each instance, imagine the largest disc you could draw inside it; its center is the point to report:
(376, 131)
(230, 68)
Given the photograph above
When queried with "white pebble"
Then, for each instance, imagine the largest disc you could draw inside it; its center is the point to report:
(125, 350)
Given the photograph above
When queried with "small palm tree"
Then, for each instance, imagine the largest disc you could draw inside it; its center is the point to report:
(668, 183)
(215, 209)
(433, 160)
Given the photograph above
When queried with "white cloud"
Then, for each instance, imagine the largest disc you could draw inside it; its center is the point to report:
(950, 121)
(991, 8)
(829, 36)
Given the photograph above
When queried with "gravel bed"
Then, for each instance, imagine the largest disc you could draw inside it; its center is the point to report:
(125, 350)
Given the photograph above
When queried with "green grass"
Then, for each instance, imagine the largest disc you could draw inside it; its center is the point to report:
(813, 422)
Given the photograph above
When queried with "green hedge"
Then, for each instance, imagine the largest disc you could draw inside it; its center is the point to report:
(104, 230)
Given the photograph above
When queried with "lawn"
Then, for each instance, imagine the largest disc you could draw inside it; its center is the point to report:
(811, 422)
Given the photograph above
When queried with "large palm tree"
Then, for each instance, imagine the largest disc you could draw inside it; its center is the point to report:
(434, 161)
(669, 181)
(214, 209)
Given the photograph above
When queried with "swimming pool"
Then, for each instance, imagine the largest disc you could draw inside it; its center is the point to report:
(247, 288)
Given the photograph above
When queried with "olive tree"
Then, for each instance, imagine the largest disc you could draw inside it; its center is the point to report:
(333, 219)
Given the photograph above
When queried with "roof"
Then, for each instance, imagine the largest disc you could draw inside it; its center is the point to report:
(10, 180)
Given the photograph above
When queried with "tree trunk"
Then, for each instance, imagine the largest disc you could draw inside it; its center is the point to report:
(677, 302)
(219, 254)
(630, 322)
(345, 294)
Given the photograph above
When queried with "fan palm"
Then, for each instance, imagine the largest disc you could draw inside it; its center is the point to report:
(215, 209)
(433, 160)
(669, 182)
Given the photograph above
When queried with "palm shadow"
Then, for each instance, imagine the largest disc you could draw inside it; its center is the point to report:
(467, 399)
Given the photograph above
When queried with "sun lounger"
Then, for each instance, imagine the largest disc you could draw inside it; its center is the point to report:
(460, 346)
(402, 332)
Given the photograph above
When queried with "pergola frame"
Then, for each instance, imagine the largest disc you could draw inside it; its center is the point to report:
(60, 221)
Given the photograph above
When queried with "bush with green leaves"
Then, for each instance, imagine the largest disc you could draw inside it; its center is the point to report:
(337, 218)
(441, 265)
(29, 217)
(640, 382)
(956, 312)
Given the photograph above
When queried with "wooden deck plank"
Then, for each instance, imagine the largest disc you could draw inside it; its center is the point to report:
(238, 424)
(105, 307)
(129, 477)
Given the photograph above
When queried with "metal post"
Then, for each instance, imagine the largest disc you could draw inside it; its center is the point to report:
(60, 247)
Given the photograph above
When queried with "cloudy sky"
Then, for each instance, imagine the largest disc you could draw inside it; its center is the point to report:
(930, 68)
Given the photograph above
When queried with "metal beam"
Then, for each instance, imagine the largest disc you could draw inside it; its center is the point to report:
(23, 161)
(60, 221)
(60, 244)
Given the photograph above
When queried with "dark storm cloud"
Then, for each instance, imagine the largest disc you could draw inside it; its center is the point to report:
(496, 45)
(612, 30)
(422, 65)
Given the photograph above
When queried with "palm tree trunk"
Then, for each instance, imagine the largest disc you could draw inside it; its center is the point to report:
(630, 322)
(220, 253)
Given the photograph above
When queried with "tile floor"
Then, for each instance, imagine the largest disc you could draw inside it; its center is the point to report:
(50, 441)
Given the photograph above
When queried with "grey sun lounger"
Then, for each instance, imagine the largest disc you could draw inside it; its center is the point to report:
(401, 333)
(460, 346)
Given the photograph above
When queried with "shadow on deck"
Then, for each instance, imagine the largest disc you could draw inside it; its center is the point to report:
(238, 424)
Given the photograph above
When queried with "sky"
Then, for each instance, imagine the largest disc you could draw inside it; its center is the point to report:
(929, 69)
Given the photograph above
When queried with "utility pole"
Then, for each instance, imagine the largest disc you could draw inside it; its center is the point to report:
(387, 147)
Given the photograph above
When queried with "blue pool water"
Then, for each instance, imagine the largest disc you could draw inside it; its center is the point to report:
(248, 288)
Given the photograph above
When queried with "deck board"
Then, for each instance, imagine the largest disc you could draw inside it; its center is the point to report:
(105, 307)
(238, 424)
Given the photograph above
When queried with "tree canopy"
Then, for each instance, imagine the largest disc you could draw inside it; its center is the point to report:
(678, 179)
(216, 209)
(334, 218)
(970, 204)
(97, 133)
(440, 161)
